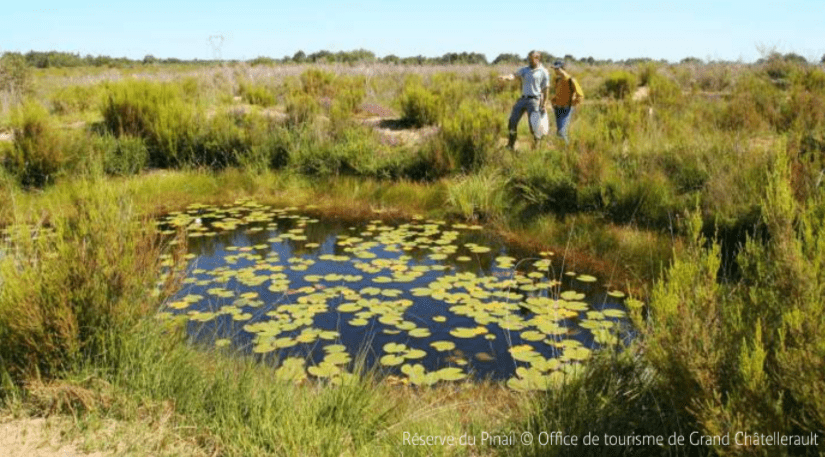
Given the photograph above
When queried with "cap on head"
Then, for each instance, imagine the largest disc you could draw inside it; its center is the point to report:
(558, 64)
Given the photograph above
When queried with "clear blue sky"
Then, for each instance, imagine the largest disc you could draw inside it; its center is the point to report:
(710, 30)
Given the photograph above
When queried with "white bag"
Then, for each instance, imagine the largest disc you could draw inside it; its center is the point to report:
(540, 123)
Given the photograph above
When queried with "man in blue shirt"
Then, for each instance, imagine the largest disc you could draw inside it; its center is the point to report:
(535, 83)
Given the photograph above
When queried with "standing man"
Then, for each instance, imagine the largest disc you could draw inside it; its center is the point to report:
(535, 84)
(568, 95)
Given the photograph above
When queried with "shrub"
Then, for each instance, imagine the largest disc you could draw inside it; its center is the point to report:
(74, 99)
(39, 154)
(157, 113)
(271, 153)
(619, 84)
(664, 90)
(256, 94)
(420, 107)
(15, 74)
(648, 199)
(747, 355)
(71, 292)
(470, 135)
(301, 109)
(544, 185)
(122, 156)
(479, 196)
(317, 83)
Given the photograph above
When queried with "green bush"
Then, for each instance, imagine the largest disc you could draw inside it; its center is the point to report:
(480, 196)
(39, 153)
(271, 153)
(543, 184)
(256, 94)
(158, 113)
(71, 292)
(664, 90)
(15, 74)
(754, 105)
(122, 156)
(470, 135)
(420, 107)
(747, 354)
(75, 99)
(301, 109)
(619, 84)
(649, 200)
(317, 83)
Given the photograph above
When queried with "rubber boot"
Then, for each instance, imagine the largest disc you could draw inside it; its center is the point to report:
(511, 142)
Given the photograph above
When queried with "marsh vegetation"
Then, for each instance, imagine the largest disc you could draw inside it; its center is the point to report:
(695, 189)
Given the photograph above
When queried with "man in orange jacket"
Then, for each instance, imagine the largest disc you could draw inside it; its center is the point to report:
(568, 95)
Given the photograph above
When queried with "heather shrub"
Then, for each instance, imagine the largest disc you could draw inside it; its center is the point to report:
(619, 84)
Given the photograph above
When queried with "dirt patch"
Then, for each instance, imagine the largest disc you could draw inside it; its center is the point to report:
(36, 437)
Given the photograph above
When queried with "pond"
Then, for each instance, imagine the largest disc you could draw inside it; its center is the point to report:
(423, 300)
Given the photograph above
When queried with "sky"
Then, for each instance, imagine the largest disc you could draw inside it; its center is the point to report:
(245, 29)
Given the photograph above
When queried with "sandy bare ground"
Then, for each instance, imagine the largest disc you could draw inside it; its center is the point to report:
(36, 437)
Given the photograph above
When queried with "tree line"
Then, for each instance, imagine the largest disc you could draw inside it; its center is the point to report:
(57, 59)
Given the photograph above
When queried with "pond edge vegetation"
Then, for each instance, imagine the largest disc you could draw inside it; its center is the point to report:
(731, 339)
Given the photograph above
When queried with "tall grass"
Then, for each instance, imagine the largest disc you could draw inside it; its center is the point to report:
(74, 284)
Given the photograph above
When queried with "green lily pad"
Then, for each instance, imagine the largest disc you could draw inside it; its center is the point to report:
(443, 345)
(450, 374)
(391, 360)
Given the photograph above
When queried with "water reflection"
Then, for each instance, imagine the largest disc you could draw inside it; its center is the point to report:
(281, 283)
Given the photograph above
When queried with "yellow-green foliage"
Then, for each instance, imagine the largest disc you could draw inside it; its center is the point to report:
(301, 109)
(317, 82)
(619, 84)
(481, 195)
(157, 112)
(747, 355)
(470, 135)
(70, 289)
(39, 154)
(256, 94)
(75, 99)
(420, 107)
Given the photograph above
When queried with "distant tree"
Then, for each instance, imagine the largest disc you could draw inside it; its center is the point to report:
(149, 59)
(507, 58)
(262, 60)
(417, 60)
(822, 60)
(299, 57)
(14, 73)
(691, 60)
(321, 56)
(569, 58)
(795, 58)
(391, 58)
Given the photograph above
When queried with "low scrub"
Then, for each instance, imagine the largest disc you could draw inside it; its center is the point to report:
(158, 113)
(420, 107)
(73, 289)
(39, 154)
(619, 84)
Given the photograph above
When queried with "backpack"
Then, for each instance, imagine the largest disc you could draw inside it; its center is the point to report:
(577, 89)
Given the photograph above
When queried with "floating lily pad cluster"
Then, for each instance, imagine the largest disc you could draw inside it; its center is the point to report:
(425, 299)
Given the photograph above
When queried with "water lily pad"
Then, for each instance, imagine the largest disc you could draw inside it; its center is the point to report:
(450, 374)
(394, 347)
(443, 345)
(391, 360)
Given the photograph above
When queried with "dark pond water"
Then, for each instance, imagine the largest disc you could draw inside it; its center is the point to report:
(424, 300)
